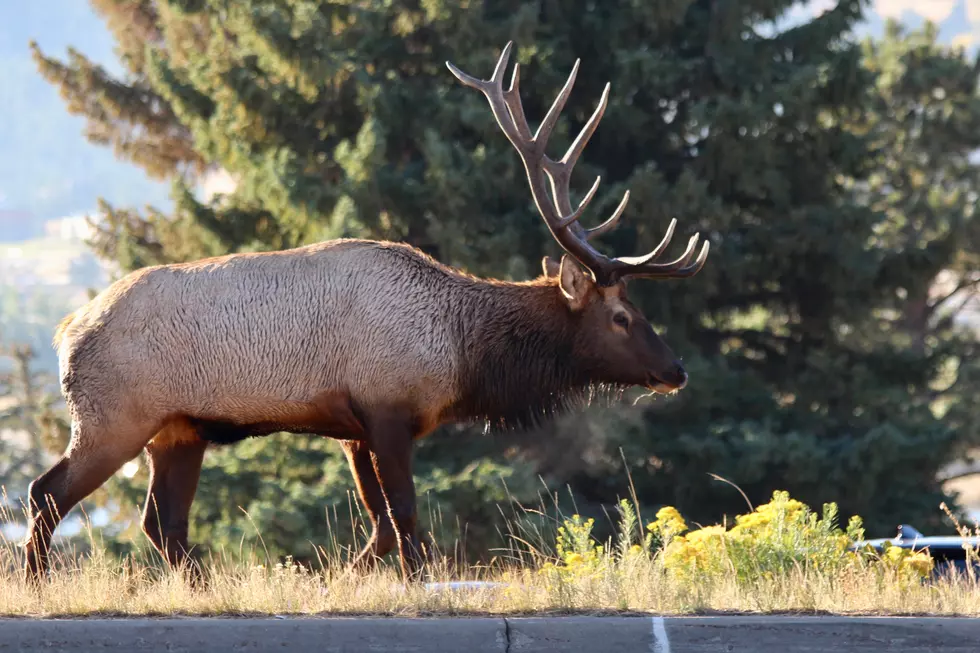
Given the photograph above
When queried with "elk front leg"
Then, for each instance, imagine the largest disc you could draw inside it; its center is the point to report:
(175, 470)
(390, 439)
(369, 489)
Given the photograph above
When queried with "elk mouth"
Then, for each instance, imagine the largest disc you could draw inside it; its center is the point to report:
(663, 387)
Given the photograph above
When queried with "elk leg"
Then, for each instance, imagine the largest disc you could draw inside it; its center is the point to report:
(382, 539)
(81, 471)
(174, 473)
(390, 440)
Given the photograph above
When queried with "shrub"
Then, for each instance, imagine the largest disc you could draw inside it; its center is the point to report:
(778, 538)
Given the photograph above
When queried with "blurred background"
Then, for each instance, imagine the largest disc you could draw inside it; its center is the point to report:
(828, 150)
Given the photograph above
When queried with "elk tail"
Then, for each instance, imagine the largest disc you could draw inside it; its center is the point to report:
(59, 332)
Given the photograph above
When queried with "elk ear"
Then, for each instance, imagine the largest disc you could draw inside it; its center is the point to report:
(574, 283)
(550, 267)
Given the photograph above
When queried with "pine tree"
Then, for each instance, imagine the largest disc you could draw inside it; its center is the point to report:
(864, 380)
(926, 121)
(340, 119)
(29, 423)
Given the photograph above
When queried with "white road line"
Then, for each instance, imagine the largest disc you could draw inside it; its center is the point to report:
(659, 643)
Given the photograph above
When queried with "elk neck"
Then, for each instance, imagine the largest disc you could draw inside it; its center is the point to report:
(516, 359)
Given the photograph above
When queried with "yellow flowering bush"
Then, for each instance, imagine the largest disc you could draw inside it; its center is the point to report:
(701, 551)
(578, 554)
(668, 525)
(774, 539)
(905, 562)
(575, 544)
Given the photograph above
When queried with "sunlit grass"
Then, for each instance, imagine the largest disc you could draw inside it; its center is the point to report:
(650, 568)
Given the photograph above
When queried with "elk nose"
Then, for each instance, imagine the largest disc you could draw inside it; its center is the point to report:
(681, 375)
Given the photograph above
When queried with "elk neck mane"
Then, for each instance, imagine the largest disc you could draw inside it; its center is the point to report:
(514, 341)
(515, 344)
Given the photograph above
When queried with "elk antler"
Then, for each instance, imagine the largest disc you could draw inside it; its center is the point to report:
(562, 220)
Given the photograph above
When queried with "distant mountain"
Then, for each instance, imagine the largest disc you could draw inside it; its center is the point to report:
(47, 167)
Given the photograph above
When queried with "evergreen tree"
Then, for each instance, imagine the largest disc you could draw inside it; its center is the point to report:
(340, 119)
(863, 380)
(925, 119)
(29, 423)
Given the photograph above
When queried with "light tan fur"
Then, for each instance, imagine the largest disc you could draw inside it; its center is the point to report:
(261, 338)
(59, 332)
(372, 343)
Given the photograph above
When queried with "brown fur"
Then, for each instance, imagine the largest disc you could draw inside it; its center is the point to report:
(371, 343)
(175, 432)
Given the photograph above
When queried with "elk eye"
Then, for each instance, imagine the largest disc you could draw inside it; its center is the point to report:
(620, 320)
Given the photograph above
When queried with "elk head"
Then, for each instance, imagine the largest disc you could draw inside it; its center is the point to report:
(613, 339)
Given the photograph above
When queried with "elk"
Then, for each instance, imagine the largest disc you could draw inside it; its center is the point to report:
(372, 343)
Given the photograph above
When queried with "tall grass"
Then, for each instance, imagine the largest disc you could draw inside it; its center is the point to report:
(780, 557)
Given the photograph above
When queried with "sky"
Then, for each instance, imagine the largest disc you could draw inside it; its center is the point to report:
(966, 13)
(47, 167)
(49, 170)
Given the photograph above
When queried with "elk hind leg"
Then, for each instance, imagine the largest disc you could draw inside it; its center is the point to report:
(93, 455)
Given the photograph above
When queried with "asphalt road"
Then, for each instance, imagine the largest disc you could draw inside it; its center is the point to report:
(477, 635)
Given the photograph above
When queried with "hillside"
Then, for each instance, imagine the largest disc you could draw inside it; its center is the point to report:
(47, 167)
(41, 280)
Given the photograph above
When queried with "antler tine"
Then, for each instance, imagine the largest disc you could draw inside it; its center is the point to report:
(684, 258)
(493, 89)
(692, 269)
(480, 84)
(676, 269)
(555, 207)
(646, 261)
(560, 174)
(512, 97)
(644, 266)
(573, 218)
(609, 224)
(509, 113)
(578, 145)
(657, 251)
(551, 118)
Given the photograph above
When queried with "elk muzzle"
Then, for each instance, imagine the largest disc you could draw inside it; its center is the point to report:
(670, 380)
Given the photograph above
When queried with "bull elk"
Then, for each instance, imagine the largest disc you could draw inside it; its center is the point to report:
(372, 343)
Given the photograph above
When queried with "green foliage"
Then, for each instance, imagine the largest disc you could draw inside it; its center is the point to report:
(782, 146)
(778, 538)
(844, 373)
(782, 543)
(29, 421)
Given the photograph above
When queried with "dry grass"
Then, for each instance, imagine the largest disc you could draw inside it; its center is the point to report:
(536, 575)
(97, 585)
